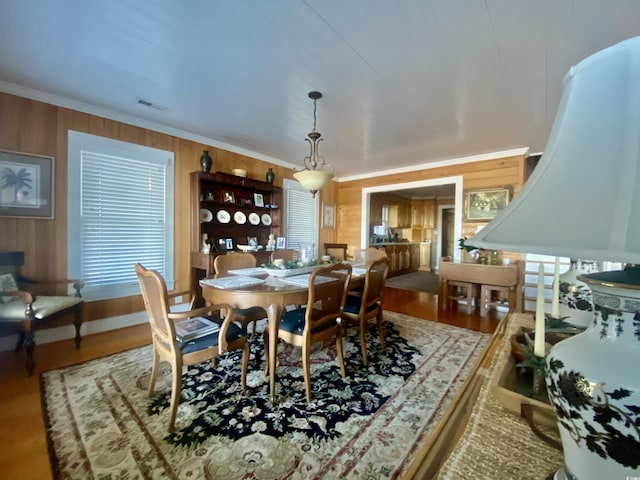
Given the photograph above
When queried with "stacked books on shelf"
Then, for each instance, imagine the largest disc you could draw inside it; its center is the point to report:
(195, 327)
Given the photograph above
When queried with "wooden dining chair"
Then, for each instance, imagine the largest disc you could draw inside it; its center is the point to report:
(337, 250)
(359, 309)
(231, 261)
(163, 333)
(286, 254)
(319, 320)
(369, 254)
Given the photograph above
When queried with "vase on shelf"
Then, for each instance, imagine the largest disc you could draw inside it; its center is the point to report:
(270, 175)
(205, 161)
(595, 388)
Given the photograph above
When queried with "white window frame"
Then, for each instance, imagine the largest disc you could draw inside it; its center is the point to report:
(311, 218)
(116, 151)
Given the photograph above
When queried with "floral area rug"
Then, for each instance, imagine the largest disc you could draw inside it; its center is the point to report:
(101, 423)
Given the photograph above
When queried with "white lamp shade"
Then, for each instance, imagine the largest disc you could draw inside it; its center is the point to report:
(313, 180)
(583, 198)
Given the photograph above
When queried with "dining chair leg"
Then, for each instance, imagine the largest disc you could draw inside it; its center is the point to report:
(363, 341)
(246, 352)
(306, 367)
(379, 325)
(154, 371)
(340, 352)
(176, 386)
(265, 341)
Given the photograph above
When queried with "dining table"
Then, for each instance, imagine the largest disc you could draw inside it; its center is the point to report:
(245, 288)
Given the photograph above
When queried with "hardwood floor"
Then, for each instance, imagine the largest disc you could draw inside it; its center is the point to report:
(22, 433)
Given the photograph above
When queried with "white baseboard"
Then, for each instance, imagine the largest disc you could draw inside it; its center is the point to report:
(66, 332)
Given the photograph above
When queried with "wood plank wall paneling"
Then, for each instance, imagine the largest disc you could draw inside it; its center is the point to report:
(35, 127)
(500, 172)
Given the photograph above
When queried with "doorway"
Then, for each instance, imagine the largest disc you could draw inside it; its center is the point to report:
(447, 229)
(456, 207)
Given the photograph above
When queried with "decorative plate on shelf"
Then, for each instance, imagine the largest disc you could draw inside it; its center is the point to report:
(205, 215)
(266, 219)
(239, 218)
(223, 216)
(254, 218)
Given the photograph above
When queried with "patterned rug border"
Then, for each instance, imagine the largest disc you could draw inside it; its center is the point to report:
(414, 447)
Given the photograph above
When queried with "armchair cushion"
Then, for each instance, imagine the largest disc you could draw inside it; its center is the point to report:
(42, 307)
(8, 284)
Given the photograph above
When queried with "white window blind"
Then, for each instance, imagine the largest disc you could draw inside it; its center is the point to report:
(302, 216)
(122, 214)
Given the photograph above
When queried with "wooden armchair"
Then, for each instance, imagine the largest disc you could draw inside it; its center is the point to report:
(337, 250)
(167, 347)
(27, 304)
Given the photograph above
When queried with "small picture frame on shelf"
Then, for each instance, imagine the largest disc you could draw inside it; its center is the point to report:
(245, 201)
(222, 244)
(229, 244)
(258, 200)
(280, 243)
(229, 197)
(252, 241)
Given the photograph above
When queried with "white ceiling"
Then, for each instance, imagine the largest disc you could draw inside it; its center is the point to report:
(405, 82)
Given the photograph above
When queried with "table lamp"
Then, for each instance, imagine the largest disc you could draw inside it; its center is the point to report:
(583, 201)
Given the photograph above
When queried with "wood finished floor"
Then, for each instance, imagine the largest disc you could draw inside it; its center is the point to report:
(24, 452)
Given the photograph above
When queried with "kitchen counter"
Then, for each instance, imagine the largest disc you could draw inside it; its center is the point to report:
(382, 244)
(406, 257)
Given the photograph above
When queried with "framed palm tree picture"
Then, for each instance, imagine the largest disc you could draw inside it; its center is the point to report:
(26, 185)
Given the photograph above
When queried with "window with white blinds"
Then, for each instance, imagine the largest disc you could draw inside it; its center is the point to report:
(301, 226)
(120, 209)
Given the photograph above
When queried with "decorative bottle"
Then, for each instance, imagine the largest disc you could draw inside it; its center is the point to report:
(270, 175)
(205, 162)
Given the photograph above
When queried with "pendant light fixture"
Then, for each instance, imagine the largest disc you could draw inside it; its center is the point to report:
(315, 174)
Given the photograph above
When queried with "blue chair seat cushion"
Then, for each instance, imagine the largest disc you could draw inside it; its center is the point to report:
(293, 321)
(233, 332)
(352, 305)
(251, 311)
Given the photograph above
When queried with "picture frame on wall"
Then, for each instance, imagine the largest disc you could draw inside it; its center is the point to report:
(484, 205)
(258, 200)
(280, 243)
(26, 185)
(328, 215)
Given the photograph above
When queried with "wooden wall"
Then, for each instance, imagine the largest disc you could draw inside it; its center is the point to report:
(34, 127)
(501, 172)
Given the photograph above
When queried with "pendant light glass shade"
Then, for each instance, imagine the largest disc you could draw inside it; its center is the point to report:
(313, 180)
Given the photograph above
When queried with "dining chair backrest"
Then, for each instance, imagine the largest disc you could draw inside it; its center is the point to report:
(286, 254)
(369, 254)
(337, 250)
(232, 260)
(326, 298)
(374, 281)
(156, 303)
